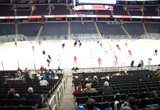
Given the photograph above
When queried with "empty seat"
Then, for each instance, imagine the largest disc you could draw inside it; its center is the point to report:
(108, 98)
(97, 98)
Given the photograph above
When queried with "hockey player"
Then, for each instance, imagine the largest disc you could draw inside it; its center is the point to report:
(49, 57)
(75, 59)
(16, 44)
(48, 61)
(99, 61)
(98, 42)
(155, 52)
(39, 42)
(116, 58)
(80, 44)
(33, 48)
(126, 44)
(129, 51)
(75, 43)
(43, 52)
(101, 45)
(118, 47)
(63, 45)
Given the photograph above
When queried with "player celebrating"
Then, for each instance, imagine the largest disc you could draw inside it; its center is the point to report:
(118, 47)
(155, 52)
(75, 59)
(129, 51)
(43, 53)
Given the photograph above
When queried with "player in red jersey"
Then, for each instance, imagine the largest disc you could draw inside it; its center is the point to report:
(75, 59)
(129, 51)
(116, 58)
(33, 48)
(101, 45)
(99, 61)
(39, 42)
(16, 44)
(126, 44)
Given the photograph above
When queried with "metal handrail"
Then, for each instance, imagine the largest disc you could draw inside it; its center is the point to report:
(55, 105)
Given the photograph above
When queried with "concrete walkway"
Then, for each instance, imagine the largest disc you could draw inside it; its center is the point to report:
(67, 99)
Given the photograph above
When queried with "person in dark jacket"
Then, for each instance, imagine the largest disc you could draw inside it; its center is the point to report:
(131, 102)
(11, 95)
(139, 65)
(106, 90)
(132, 63)
(32, 96)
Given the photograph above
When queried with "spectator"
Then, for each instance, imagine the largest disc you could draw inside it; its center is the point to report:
(50, 71)
(139, 65)
(75, 79)
(153, 94)
(89, 78)
(126, 108)
(38, 75)
(146, 78)
(26, 71)
(106, 90)
(90, 105)
(131, 102)
(95, 84)
(95, 78)
(142, 63)
(74, 76)
(86, 81)
(59, 69)
(43, 82)
(88, 89)
(132, 63)
(76, 68)
(11, 95)
(47, 77)
(117, 74)
(32, 96)
(157, 75)
(19, 73)
(126, 73)
(78, 90)
(55, 76)
(42, 69)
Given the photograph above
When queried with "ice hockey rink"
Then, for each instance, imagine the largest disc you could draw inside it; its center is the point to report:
(87, 55)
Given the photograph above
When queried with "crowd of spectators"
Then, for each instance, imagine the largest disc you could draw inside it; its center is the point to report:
(91, 83)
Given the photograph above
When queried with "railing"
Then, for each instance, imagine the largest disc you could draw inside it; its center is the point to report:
(55, 103)
(21, 37)
(59, 95)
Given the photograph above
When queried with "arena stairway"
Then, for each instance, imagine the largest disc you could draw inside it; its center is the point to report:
(68, 102)
(145, 30)
(97, 29)
(126, 32)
